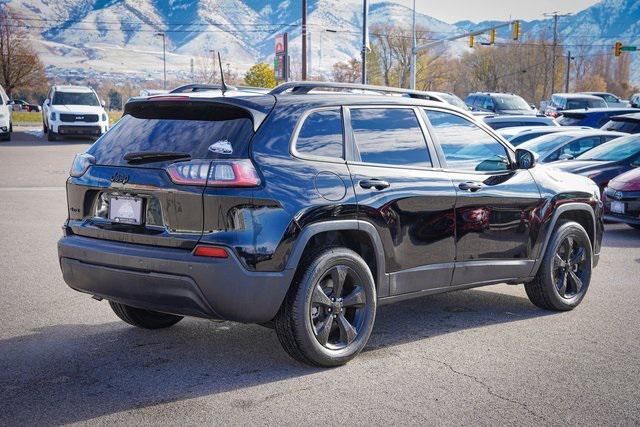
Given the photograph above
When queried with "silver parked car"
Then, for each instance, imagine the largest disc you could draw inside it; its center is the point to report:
(610, 99)
(568, 145)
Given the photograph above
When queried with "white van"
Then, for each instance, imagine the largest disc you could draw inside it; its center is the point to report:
(6, 127)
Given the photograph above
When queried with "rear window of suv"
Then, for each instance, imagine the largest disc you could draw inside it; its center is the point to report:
(321, 134)
(205, 131)
(389, 136)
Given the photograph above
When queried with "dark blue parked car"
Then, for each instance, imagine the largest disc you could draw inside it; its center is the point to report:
(593, 117)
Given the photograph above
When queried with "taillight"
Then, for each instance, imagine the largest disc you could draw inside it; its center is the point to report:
(215, 173)
(81, 163)
(210, 251)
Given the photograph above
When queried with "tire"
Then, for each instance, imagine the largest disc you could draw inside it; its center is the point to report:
(636, 226)
(560, 285)
(145, 319)
(311, 322)
(52, 136)
(45, 129)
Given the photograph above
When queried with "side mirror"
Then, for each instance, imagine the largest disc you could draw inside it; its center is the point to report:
(104, 104)
(11, 102)
(525, 159)
(565, 156)
(46, 102)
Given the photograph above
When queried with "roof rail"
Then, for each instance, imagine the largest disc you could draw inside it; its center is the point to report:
(301, 88)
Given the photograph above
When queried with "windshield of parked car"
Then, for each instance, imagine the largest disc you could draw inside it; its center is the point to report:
(510, 102)
(454, 100)
(75, 98)
(614, 150)
(578, 103)
(628, 126)
(545, 143)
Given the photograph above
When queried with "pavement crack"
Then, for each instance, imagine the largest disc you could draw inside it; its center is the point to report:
(488, 389)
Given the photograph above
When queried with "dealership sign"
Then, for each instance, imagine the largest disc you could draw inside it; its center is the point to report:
(281, 59)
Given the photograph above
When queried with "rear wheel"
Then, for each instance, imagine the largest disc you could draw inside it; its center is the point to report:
(564, 276)
(145, 319)
(328, 314)
(52, 136)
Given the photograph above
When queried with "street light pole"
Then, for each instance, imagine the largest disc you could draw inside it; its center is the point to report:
(414, 55)
(566, 85)
(304, 39)
(365, 12)
(164, 58)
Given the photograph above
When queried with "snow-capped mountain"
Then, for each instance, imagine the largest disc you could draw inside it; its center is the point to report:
(112, 37)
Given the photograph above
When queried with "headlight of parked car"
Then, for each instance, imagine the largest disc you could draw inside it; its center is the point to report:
(52, 116)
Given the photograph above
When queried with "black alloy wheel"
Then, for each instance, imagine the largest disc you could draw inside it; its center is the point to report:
(564, 275)
(337, 309)
(569, 267)
(328, 314)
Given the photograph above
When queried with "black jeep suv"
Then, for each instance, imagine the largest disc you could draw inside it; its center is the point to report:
(305, 208)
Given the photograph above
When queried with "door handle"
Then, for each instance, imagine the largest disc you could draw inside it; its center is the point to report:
(470, 186)
(378, 184)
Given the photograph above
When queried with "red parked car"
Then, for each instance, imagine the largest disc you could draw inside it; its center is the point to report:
(622, 199)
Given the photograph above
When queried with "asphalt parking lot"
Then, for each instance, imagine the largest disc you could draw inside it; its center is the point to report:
(484, 356)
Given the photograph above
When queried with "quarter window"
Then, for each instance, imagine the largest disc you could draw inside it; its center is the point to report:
(465, 145)
(389, 136)
(321, 134)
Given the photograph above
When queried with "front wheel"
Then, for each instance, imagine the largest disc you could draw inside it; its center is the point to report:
(564, 276)
(328, 314)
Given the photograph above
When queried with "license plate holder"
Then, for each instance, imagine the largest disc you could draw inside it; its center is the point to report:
(617, 207)
(125, 210)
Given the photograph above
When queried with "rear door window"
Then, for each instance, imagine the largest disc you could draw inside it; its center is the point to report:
(321, 134)
(390, 136)
(206, 131)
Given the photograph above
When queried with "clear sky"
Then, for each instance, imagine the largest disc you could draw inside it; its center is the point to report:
(480, 10)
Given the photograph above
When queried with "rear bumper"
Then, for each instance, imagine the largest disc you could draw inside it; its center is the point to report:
(171, 280)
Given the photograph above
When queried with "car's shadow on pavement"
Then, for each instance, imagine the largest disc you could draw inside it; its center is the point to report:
(76, 372)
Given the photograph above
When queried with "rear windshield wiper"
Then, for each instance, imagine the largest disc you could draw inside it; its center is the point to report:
(155, 156)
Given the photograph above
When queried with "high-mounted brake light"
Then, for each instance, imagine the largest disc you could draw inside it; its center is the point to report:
(81, 163)
(169, 98)
(215, 173)
(211, 251)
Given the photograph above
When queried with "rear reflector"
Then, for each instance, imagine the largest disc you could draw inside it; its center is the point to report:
(211, 252)
(215, 173)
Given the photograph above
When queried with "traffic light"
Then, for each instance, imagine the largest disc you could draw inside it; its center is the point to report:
(472, 41)
(516, 30)
(492, 36)
(617, 49)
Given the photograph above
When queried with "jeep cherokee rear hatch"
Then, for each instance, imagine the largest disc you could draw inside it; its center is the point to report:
(143, 182)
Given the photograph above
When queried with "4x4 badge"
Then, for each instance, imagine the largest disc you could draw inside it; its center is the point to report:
(119, 177)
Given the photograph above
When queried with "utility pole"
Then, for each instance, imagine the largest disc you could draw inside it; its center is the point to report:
(566, 83)
(304, 39)
(365, 12)
(555, 16)
(414, 54)
(164, 58)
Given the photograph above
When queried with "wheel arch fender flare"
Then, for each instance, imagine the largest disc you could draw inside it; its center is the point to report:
(567, 207)
(342, 225)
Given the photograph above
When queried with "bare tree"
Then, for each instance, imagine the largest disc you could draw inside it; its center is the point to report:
(348, 72)
(20, 66)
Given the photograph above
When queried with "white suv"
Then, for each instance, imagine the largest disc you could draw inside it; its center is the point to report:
(5, 116)
(73, 111)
